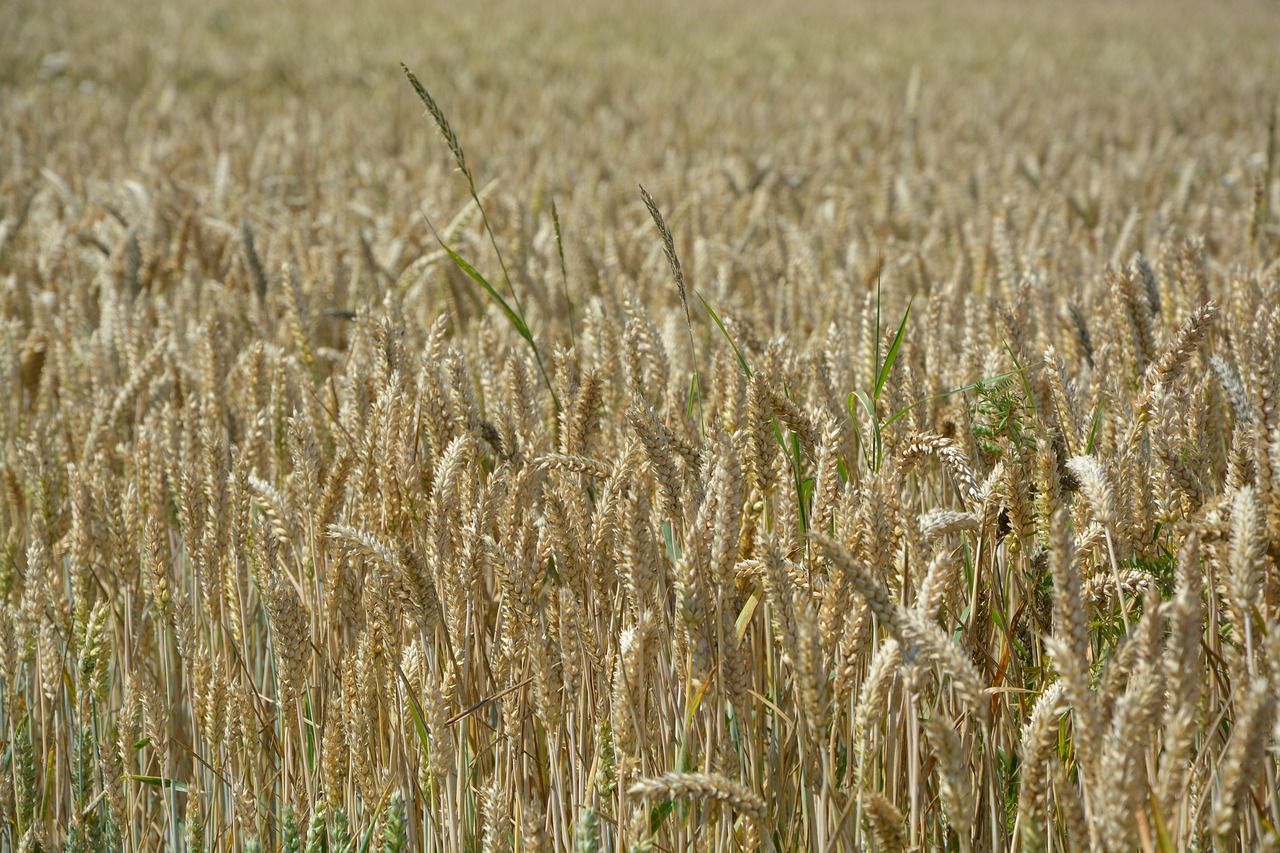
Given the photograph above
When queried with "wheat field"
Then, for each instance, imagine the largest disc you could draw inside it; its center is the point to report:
(711, 426)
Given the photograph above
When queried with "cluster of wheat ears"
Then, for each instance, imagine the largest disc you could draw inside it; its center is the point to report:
(918, 488)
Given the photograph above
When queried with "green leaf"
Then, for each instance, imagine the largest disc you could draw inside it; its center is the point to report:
(159, 782)
(658, 815)
(892, 355)
(1093, 430)
(696, 701)
(876, 426)
(310, 727)
(867, 405)
(853, 416)
(746, 369)
(669, 540)
(1164, 842)
(416, 710)
(894, 417)
(743, 621)
(515, 318)
(972, 386)
(1022, 374)
(693, 394)
(875, 343)
(564, 274)
(796, 468)
(808, 486)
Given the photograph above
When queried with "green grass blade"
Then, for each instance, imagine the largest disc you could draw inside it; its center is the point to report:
(1022, 374)
(746, 368)
(159, 782)
(892, 355)
(415, 709)
(1094, 429)
(972, 386)
(564, 274)
(658, 815)
(869, 405)
(875, 343)
(516, 321)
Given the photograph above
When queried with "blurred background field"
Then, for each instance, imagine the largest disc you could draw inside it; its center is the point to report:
(584, 100)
